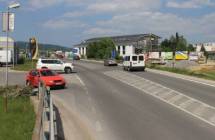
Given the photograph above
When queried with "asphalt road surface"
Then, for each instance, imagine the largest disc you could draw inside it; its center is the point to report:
(14, 78)
(100, 107)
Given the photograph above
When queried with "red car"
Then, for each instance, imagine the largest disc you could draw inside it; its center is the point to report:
(49, 77)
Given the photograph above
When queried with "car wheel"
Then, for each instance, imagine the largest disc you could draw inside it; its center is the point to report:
(68, 70)
(129, 69)
(63, 86)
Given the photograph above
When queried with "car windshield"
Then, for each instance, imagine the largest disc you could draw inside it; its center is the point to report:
(48, 73)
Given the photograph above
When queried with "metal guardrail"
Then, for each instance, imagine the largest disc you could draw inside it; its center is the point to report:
(44, 126)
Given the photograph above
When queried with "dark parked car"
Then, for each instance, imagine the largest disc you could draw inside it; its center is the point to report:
(110, 62)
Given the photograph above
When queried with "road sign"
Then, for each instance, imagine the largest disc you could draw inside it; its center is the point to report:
(8, 22)
(113, 54)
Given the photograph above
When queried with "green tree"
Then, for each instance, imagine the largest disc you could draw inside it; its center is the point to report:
(205, 53)
(190, 48)
(165, 46)
(174, 43)
(101, 49)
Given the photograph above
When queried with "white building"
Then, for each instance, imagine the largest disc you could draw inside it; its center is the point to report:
(126, 45)
(3, 43)
(209, 47)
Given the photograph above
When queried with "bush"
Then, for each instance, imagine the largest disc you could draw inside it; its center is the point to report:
(15, 91)
(119, 59)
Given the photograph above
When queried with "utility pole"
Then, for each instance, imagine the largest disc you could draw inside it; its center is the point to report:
(7, 27)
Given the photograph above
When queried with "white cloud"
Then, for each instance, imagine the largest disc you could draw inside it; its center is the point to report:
(36, 4)
(124, 5)
(158, 23)
(131, 17)
(96, 31)
(190, 4)
(75, 14)
(99, 5)
(63, 24)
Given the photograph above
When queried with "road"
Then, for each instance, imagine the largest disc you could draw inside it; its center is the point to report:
(14, 78)
(97, 105)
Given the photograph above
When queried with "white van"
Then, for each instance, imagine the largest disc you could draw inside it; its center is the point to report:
(134, 62)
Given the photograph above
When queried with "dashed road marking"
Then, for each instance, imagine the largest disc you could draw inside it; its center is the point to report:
(181, 101)
(80, 80)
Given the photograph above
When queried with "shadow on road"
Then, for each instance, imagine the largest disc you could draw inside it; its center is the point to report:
(60, 132)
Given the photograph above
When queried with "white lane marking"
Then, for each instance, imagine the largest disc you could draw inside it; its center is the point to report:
(187, 79)
(200, 110)
(212, 119)
(175, 98)
(186, 104)
(167, 101)
(80, 80)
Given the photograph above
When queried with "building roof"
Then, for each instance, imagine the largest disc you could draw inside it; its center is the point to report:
(125, 39)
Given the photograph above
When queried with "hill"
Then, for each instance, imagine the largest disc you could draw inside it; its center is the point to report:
(43, 47)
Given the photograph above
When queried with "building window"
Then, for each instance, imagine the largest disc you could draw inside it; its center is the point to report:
(123, 50)
(118, 49)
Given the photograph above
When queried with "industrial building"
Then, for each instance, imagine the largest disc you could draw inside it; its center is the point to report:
(127, 44)
(209, 47)
(11, 47)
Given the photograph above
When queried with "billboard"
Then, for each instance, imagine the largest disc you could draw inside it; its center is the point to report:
(193, 56)
(8, 20)
(181, 55)
(154, 55)
(167, 55)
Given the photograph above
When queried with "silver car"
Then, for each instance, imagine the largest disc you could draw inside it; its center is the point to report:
(110, 62)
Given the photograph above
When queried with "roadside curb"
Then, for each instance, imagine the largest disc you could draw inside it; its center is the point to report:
(96, 61)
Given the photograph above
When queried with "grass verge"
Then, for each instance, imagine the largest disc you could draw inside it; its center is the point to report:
(27, 66)
(210, 75)
(18, 122)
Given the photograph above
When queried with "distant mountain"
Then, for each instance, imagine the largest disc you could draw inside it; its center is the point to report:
(42, 47)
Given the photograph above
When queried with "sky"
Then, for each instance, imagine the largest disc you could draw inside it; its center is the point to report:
(69, 22)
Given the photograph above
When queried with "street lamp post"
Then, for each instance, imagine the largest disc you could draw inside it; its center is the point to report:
(11, 6)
